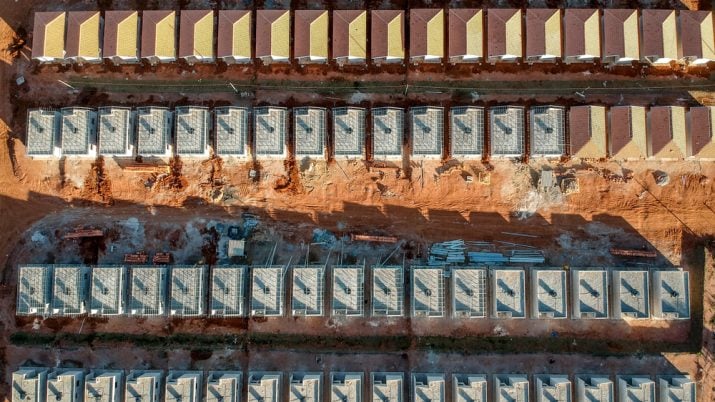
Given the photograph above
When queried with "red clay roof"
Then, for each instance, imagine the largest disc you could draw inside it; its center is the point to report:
(149, 20)
(458, 18)
(580, 127)
(301, 38)
(496, 29)
(536, 19)
(74, 23)
(574, 30)
(613, 41)
(690, 33)
(378, 33)
(418, 30)
(226, 19)
(700, 128)
(112, 18)
(38, 32)
(341, 31)
(659, 128)
(188, 19)
(652, 28)
(264, 19)
(620, 128)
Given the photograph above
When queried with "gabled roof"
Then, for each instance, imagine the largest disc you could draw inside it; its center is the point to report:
(48, 35)
(83, 34)
(543, 29)
(621, 33)
(159, 34)
(582, 32)
(311, 34)
(350, 34)
(702, 132)
(427, 32)
(660, 34)
(466, 32)
(196, 34)
(387, 35)
(588, 131)
(697, 37)
(504, 35)
(666, 132)
(627, 132)
(121, 32)
(273, 33)
(234, 33)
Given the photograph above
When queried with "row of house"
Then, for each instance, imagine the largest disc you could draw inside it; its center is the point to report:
(620, 132)
(435, 35)
(70, 290)
(33, 384)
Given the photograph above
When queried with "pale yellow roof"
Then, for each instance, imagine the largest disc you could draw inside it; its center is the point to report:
(280, 36)
(592, 34)
(357, 36)
(708, 38)
(596, 146)
(638, 146)
(513, 38)
(395, 48)
(435, 35)
(204, 36)
(630, 36)
(164, 41)
(127, 34)
(242, 37)
(54, 44)
(89, 37)
(670, 37)
(677, 147)
(553, 34)
(319, 36)
(475, 34)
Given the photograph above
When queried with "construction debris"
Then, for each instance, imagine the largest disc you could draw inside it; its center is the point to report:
(136, 258)
(633, 253)
(79, 233)
(378, 239)
(449, 252)
(162, 258)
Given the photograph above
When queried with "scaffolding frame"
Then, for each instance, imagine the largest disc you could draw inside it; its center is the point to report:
(188, 290)
(43, 129)
(427, 129)
(269, 126)
(307, 290)
(228, 291)
(69, 290)
(549, 293)
(114, 134)
(469, 388)
(265, 300)
(346, 387)
(148, 290)
(78, 131)
(590, 293)
(387, 132)
(506, 130)
(154, 131)
(309, 128)
(348, 290)
(108, 284)
(232, 130)
(427, 291)
(548, 131)
(466, 131)
(34, 289)
(508, 287)
(192, 128)
(469, 292)
(349, 131)
(632, 293)
(388, 284)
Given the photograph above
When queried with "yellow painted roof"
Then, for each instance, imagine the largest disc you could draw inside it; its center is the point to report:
(319, 36)
(55, 37)
(435, 35)
(552, 35)
(630, 36)
(592, 35)
(204, 36)
(708, 38)
(280, 36)
(242, 37)
(127, 34)
(475, 35)
(89, 37)
(513, 40)
(357, 36)
(164, 42)
(395, 47)
(670, 37)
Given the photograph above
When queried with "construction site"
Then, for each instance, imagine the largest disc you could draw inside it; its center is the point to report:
(475, 201)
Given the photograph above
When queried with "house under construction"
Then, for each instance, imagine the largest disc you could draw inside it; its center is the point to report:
(309, 128)
(387, 387)
(677, 388)
(596, 388)
(29, 384)
(630, 295)
(427, 291)
(548, 292)
(635, 388)
(103, 385)
(154, 128)
(193, 124)
(510, 388)
(553, 388)
(184, 386)
(115, 131)
(349, 132)
(388, 284)
(264, 387)
(267, 292)
(43, 130)
(466, 132)
(65, 385)
(548, 131)
(469, 292)
(671, 295)
(506, 131)
(188, 288)
(508, 288)
(469, 388)
(228, 290)
(78, 136)
(147, 294)
(232, 127)
(307, 291)
(34, 289)
(348, 290)
(428, 387)
(427, 131)
(589, 290)
(224, 386)
(269, 127)
(143, 385)
(387, 132)
(305, 387)
(69, 289)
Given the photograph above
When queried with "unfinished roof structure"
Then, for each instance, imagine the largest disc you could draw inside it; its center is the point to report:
(427, 131)
(660, 36)
(48, 36)
(387, 387)
(582, 35)
(548, 133)
(83, 33)
(594, 388)
(269, 127)
(34, 289)
(264, 387)
(65, 385)
(508, 288)
(121, 36)
(273, 36)
(183, 386)
(158, 36)
(307, 291)
(228, 291)
(311, 36)
(589, 289)
(143, 385)
(388, 284)
(621, 35)
(29, 384)
(267, 293)
(69, 289)
(469, 388)
(635, 388)
(587, 131)
(427, 291)
(426, 35)
(630, 295)
(349, 36)
(696, 36)
(147, 296)
(511, 387)
(667, 132)
(553, 388)
(466, 131)
(348, 290)
(543, 35)
(187, 290)
(428, 387)
(103, 385)
(115, 131)
(79, 131)
(223, 386)
(504, 35)
(701, 132)
(349, 132)
(387, 36)
(305, 387)
(234, 43)
(309, 128)
(154, 125)
(506, 131)
(387, 132)
(192, 131)
(627, 132)
(469, 288)
(231, 131)
(671, 294)
(466, 35)
(346, 387)
(43, 129)
(678, 388)
(196, 36)
(548, 292)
